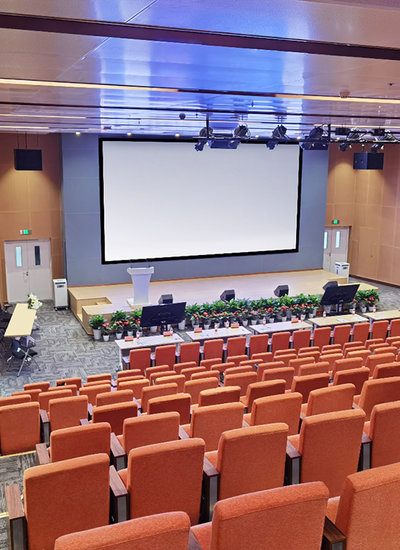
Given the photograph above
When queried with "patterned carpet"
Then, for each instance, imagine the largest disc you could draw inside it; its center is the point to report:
(64, 350)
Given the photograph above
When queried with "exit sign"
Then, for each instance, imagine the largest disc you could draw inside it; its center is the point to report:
(335, 222)
(25, 231)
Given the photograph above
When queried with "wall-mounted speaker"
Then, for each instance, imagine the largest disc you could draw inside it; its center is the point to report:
(166, 299)
(368, 161)
(281, 290)
(329, 284)
(28, 159)
(228, 295)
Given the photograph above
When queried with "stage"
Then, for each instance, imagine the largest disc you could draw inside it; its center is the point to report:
(86, 301)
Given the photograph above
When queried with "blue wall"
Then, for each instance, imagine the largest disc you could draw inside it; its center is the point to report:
(81, 210)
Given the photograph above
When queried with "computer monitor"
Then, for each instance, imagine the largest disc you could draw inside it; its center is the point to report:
(162, 315)
(339, 294)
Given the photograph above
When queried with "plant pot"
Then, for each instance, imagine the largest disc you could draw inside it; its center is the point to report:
(153, 328)
(327, 309)
(311, 315)
(371, 308)
(139, 333)
(118, 335)
(216, 325)
(130, 332)
(302, 316)
(245, 322)
(195, 326)
(284, 319)
(182, 325)
(270, 320)
(96, 333)
(226, 324)
(253, 321)
(106, 337)
(363, 309)
(206, 326)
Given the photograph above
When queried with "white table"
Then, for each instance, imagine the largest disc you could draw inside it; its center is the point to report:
(286, 326)
(145, 342)
(212, 334)
(336, 320)
(383, 315)
(21, 324)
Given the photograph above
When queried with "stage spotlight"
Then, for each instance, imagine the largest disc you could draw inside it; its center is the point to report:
(344, 146)
(241, 131)
(228, 295)
(376, 147)
(281, 290)
(165, 299)
(199, 146)
(280, 132)
(205, 134)
(271, 144)
(316, 133)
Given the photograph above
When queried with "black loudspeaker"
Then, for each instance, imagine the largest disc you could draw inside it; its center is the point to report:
(228, 295)
(368, 161)
(166, 299)
(281, 290)
(329, 284)
(28, 159)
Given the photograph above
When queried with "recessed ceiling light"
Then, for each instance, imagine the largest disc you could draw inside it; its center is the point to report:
(177, 135)
(129, 134)
(256, 137)
(77, 133)
(298, 137)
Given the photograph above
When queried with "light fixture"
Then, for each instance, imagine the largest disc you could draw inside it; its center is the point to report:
(205, 134)
(316, 133)
(344, 146)
(177, 135)
(77, 133)
(315, 141)
(129, 134)
(376, 147)
(278, 134)
(241, 131)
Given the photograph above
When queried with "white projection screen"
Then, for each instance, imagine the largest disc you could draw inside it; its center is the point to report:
(164, 200)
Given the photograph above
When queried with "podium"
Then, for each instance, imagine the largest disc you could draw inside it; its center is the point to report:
(140, 279)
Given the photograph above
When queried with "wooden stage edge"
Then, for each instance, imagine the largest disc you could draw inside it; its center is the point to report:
(86, 301)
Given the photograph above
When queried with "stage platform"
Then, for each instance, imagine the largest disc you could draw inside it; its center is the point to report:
(86, 301)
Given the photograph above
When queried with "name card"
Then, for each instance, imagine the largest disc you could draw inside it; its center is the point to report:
(234, 325)
(167, 333)
(128, 338)
(198, 330)
(295, 320)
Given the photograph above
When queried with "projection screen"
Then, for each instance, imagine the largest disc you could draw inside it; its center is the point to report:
(164, 200)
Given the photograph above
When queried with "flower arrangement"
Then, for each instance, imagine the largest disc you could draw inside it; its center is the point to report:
(34, 302)
(96, 322)
(106, 328)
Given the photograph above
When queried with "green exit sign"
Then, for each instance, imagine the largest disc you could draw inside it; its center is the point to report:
(335, 222)
(25, 231)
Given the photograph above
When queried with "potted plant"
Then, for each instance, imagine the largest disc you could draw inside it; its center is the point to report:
(195, 319)
(371, 298)
(96, 322)
(118, 326)
(253, 313)
(283, 313)
(225, 317)
(138, 329)
(312, 305)
(34, 302)
(206, 318)
(106, 330)
(360, 299)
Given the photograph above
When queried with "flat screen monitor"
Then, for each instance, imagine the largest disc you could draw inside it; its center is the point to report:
(340, 294)
(166, 314)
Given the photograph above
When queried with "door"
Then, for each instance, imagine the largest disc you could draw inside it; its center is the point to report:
(28, 269)
(336, 242)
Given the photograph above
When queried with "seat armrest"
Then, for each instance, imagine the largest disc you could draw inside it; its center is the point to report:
(44, 426)
(293, 465)
(42, 454)
(183, 434)
(84, 421)
(210, 491)
(118, 455)
(16, 518)
(333, 538)
(119, 498)
(364, 462)
(193, 542)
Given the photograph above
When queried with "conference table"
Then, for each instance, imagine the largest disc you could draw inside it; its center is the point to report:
(212, 333)
(285, 326)
(21, 324)
(388, 315)
(337, 320)
(144, 342)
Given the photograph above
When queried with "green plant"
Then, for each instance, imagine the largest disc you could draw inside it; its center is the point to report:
(106, 328)
(119, 326)
(118, 316)
(96, 321)
(219, 306)
(194, 309)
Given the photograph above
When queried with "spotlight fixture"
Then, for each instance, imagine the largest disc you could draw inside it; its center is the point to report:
(279, 134)
(344, 146)
(205, 134)
(376, 147)
(271, 144)
(241, 131)
(315, 141)
(316, 133)
(199, 146)
(341, 131)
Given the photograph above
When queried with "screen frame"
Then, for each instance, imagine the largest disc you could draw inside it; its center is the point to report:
(150, 139)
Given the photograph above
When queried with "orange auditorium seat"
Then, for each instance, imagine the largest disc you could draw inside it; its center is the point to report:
(194, 387)
(136, 386)
(80, 441)
(285, 373)
(277, 408)
(140, 359)
(378, 359)
(357, 377)
(301, 339)
(262, 389)
(242, 380)
(93, 391)
(341, 334)
(165, 355)
(45, 397)
(19, 428)
(42, 386)
(66, 412)
(101, 378)
(387, 370)
(217, 396)
(258, 343)
(280, 340)
(378, 391)
(360, 332)
(179, 367)
(296, 363)
(330, 399)
(115, 414)
(149, 429)
(379, 329)
(321, 336)
(110, 397)
(156, 391)
(236, 346)
(179, 402)
(189, 352)
(314, 368)
(383, 430)
(178, 379)
(213, 349)
(306, 384)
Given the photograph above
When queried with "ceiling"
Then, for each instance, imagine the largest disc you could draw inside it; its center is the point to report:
(162, 66)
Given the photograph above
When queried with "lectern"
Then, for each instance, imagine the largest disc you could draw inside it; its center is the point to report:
(140, 279)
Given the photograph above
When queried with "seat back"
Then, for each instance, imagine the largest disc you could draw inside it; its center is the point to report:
(217, 396)
(372, 341)
(263, 357)
(378, 359)
(330, 447)
(242, 380)
(101, 378)
(387, 349)
(205, 374)
(66, 412)
(285, 373)
(331, 358)
(346, 364)
(156, 391)
(93, 391)
(296, 512)
(286, 358)
(311, 353)
(128, 379)
(383, 431)
(378, 391)
(262, 367)
(314, 368)
(166, 477)
(251, 459)
(357, 377)
(178, 379)
(278, 408)
(236, 359)
(189, 351)
(45, 397)
(258, 343)
(140, 359)
(213, 349)
(19, 428)
(165, 355)
(363, 353)
(180, 402)
(387, 370)
(169, 530)
(84, 440)
(110, 397)
(395, 328)
(150, 429)
(33, 394)
(306, 384)
(236, 346)
(263, 389)
(209, 423)
(159, 368)
(115, 414)
(42, 386)
(333, 398)
(194, 387)
(363, 513)
(280, 340)
(208, 363)
(240, 369)
(129, 373)
(360, 332)
(333, 348)
(322, 336)
(379, 329)
(179, 367)
(163, 374)
(187, 373)
(76, 381)
(16, 400)
(301, 339)
(57, 499)
(341, 334)
(297, 363)
(136, 386)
